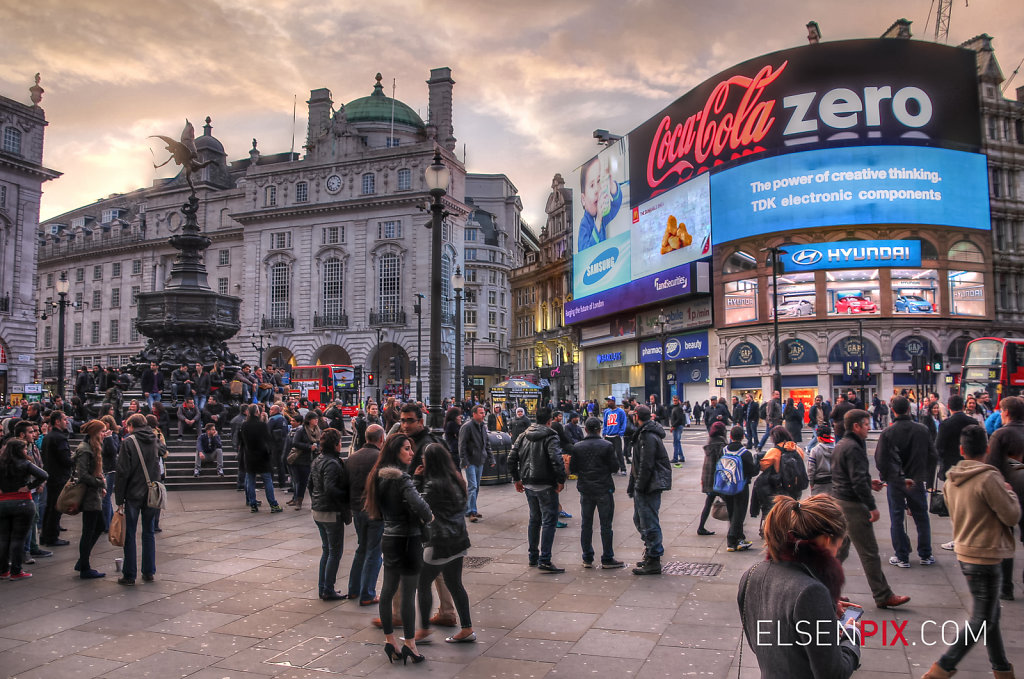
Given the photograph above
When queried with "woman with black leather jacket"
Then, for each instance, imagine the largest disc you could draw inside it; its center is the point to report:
(18, 476)
(391, 496)
(328, 494)
(88, 461)
(307, 441)
(444, 490)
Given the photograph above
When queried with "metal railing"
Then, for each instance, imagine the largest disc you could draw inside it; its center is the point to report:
(285, 323)
(330, 320)
(81, 244)
(388, 317)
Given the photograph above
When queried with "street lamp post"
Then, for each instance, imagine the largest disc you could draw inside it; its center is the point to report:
(472, 361)
(261, 347)
(418, 310)
(438, 178)
(63, 286)
(862, 369)
(776, 253)
(662, 321)
(380, 335)
(458, 285)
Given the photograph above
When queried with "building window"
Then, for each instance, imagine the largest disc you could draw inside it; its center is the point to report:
(94, 334)
(393, 142)
(76, 335)
(369, 184)
(740, 301)
(97, 299)
(471, 234)
(470, 296)
(492, 337)
(136, 289)
(49, 281)
(47, 337)
(3, 196)
(446, 285)
(404, 180)
(115, 270)
(115, 331)
(470, 275)
(270, 196)
(991, 127)
(391, 229)
(389, 283)
(136, 266)
(12, 140)
(133, 336)
(280, 291)
(470, 316)
(301, 192)
(97, 272)
(115, 298)
(965, 251)
(332, 235)
(281, 240)
(470, 254)
(967, 293)
(222, 286)
(492, 297)
(492, 318)
(334, 287)
(78, 300)
(80, 275)
(223, 259)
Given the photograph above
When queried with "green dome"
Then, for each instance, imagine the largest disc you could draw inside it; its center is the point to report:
(377, 108)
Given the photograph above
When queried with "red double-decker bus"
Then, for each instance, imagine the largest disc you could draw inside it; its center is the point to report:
(325, 383)
(994, 365)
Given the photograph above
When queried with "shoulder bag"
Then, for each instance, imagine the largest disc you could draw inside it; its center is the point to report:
(116, 535)
(937, 501)
(157, 497)
(71, 497)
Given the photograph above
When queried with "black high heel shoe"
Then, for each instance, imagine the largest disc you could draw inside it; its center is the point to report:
(391, 652)
(407, 653)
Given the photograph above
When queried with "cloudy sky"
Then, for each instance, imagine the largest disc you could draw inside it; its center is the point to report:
(534, 77)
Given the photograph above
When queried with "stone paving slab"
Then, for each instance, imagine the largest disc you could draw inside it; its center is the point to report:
(235, 596)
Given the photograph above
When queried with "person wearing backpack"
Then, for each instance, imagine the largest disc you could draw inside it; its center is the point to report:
(736, 468)
(819, 460)
(712, 454)
(785, 459)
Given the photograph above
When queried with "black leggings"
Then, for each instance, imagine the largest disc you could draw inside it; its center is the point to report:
(710, 500)
(92, 528)
(452, 572)
(387, 594)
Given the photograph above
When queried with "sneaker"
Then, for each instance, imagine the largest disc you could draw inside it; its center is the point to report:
(127, 582)
(564, 514)
(895, 561)
(928, 562)
(27, 559)
(948, 545)
(274, 509)
(561, 524)
(741, 546)
(588, 564)
(678, 465)
(147, 578)
(612, 564)
(20, 576)
(253, 509)
(195, 475)
(572, 477)
(220, 474)
(5, 575)
(548, 567)
(533, 563)
(41, 553)
(622, 473)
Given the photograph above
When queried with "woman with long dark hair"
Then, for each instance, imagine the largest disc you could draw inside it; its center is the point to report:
(328, 494)
(88, 461)
(392, 497)
(452, 425)
(793, 416)
(797, 590)
(712, 454)
(769, 482)
(307, 441)
(444, 490)
(18, 476)
(111, 447)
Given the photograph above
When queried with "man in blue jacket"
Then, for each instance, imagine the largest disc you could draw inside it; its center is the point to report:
(614, 428)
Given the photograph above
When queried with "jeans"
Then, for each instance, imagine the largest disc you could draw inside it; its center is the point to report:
(984, 582)
(543, 515)
(192, 428)
(264, 395)
(92, 529)
(15, 519)
(767, 433)
(645, 518)
(180, 388)
(268, 488)
(218, 456)
(452, 574)
(201, 401)
(300, 475)
(153, 398)
(751, 433)
(605, 506)
(332, 539)
(916, 499)
(616, 442)
(132, 511)
(108, 507)
(737, 506)
(362, 578)
(677, 445)
(473, 474)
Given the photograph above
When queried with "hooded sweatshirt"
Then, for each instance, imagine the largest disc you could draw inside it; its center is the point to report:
(536, 458)
(983, 512)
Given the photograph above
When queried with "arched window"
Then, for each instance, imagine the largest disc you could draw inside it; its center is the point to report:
(404, 180)
(270, 196)
(369, 184)
(966, 251)
(928, 250)
(280, 291)
(12, 140)
(334, 287)
(446, 285)
(389, 284)
(301, 192)
(738, 262)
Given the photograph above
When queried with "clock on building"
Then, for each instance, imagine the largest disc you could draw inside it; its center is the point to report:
(333, 183)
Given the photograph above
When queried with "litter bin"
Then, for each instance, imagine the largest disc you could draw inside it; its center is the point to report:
(501, 445)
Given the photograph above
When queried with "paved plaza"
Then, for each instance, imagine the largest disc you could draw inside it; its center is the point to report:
(235, 596)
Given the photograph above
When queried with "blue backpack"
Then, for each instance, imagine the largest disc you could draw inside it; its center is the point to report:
(729, 478)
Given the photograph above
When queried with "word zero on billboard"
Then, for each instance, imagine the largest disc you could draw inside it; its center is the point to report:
(840, 109)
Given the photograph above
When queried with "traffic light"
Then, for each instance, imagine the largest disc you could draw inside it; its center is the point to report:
(369, 378)
(393, 366)
(937, 363)
(916, 364)
(358, 374)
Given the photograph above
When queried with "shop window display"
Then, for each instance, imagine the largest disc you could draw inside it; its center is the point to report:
(915, 291)
(796, 296)
(967, 293)
(740, 302)
(852, 292)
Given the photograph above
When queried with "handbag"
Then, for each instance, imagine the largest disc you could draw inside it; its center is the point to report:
(937, 501)
(236, 387)
(719, 509)
(71, 497)
(157, 496)
(116, 533)
(293, 455)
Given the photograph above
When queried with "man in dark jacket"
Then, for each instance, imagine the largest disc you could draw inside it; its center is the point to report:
(474, 453)
(658, 412)
(751, 417)
(132, 492)
(208, 446)
(152, 384)
(772, 416)
(188, 417)
(278, 426)
(739, 411)
(537, 468)
(717, 412)
(213, 411)
(181, 383)
(838, 416)
(201, 386)
(366, 562)
(851, 487)
(56, 455)
(518, 424)
(947, 441)
(906, 460)
(256, 445)
(677, 422)
(593, 462)
(650, 475)
(573, 430)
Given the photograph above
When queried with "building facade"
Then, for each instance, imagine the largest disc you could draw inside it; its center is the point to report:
(22, 174)
(328, 251)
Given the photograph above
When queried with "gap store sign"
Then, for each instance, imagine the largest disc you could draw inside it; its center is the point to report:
(677, 348)
(852, 255)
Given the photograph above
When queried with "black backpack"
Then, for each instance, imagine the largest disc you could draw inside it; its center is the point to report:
(792, 473)
(763, 411)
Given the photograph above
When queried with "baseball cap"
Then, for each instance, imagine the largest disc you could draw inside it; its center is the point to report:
(610, 398)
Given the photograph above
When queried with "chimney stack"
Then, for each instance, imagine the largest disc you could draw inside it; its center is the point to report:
(440, 114)
(320, 104)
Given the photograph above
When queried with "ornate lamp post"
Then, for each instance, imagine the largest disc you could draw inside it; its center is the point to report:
(417, 309)
(776, 253)
(63, 286)
(458, 285)
(662, 321)
(438, 178)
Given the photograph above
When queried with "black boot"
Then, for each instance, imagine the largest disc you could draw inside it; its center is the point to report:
(643, 559)
(652, 566)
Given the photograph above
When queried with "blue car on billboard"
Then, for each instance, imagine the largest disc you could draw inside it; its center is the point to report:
(913, 304)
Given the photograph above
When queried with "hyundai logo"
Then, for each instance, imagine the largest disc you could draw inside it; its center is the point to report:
(806, 258)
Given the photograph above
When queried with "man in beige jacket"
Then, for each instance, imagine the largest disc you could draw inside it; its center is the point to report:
(983, 510)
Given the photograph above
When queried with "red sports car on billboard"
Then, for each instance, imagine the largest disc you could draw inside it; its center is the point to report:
(855, 304)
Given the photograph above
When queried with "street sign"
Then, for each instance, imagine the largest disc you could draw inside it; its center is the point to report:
(719, 382)
(33, 388)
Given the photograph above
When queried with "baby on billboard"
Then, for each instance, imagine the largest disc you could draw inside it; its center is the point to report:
(601, 196)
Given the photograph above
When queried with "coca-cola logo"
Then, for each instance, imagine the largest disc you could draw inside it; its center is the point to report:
(686, 149)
